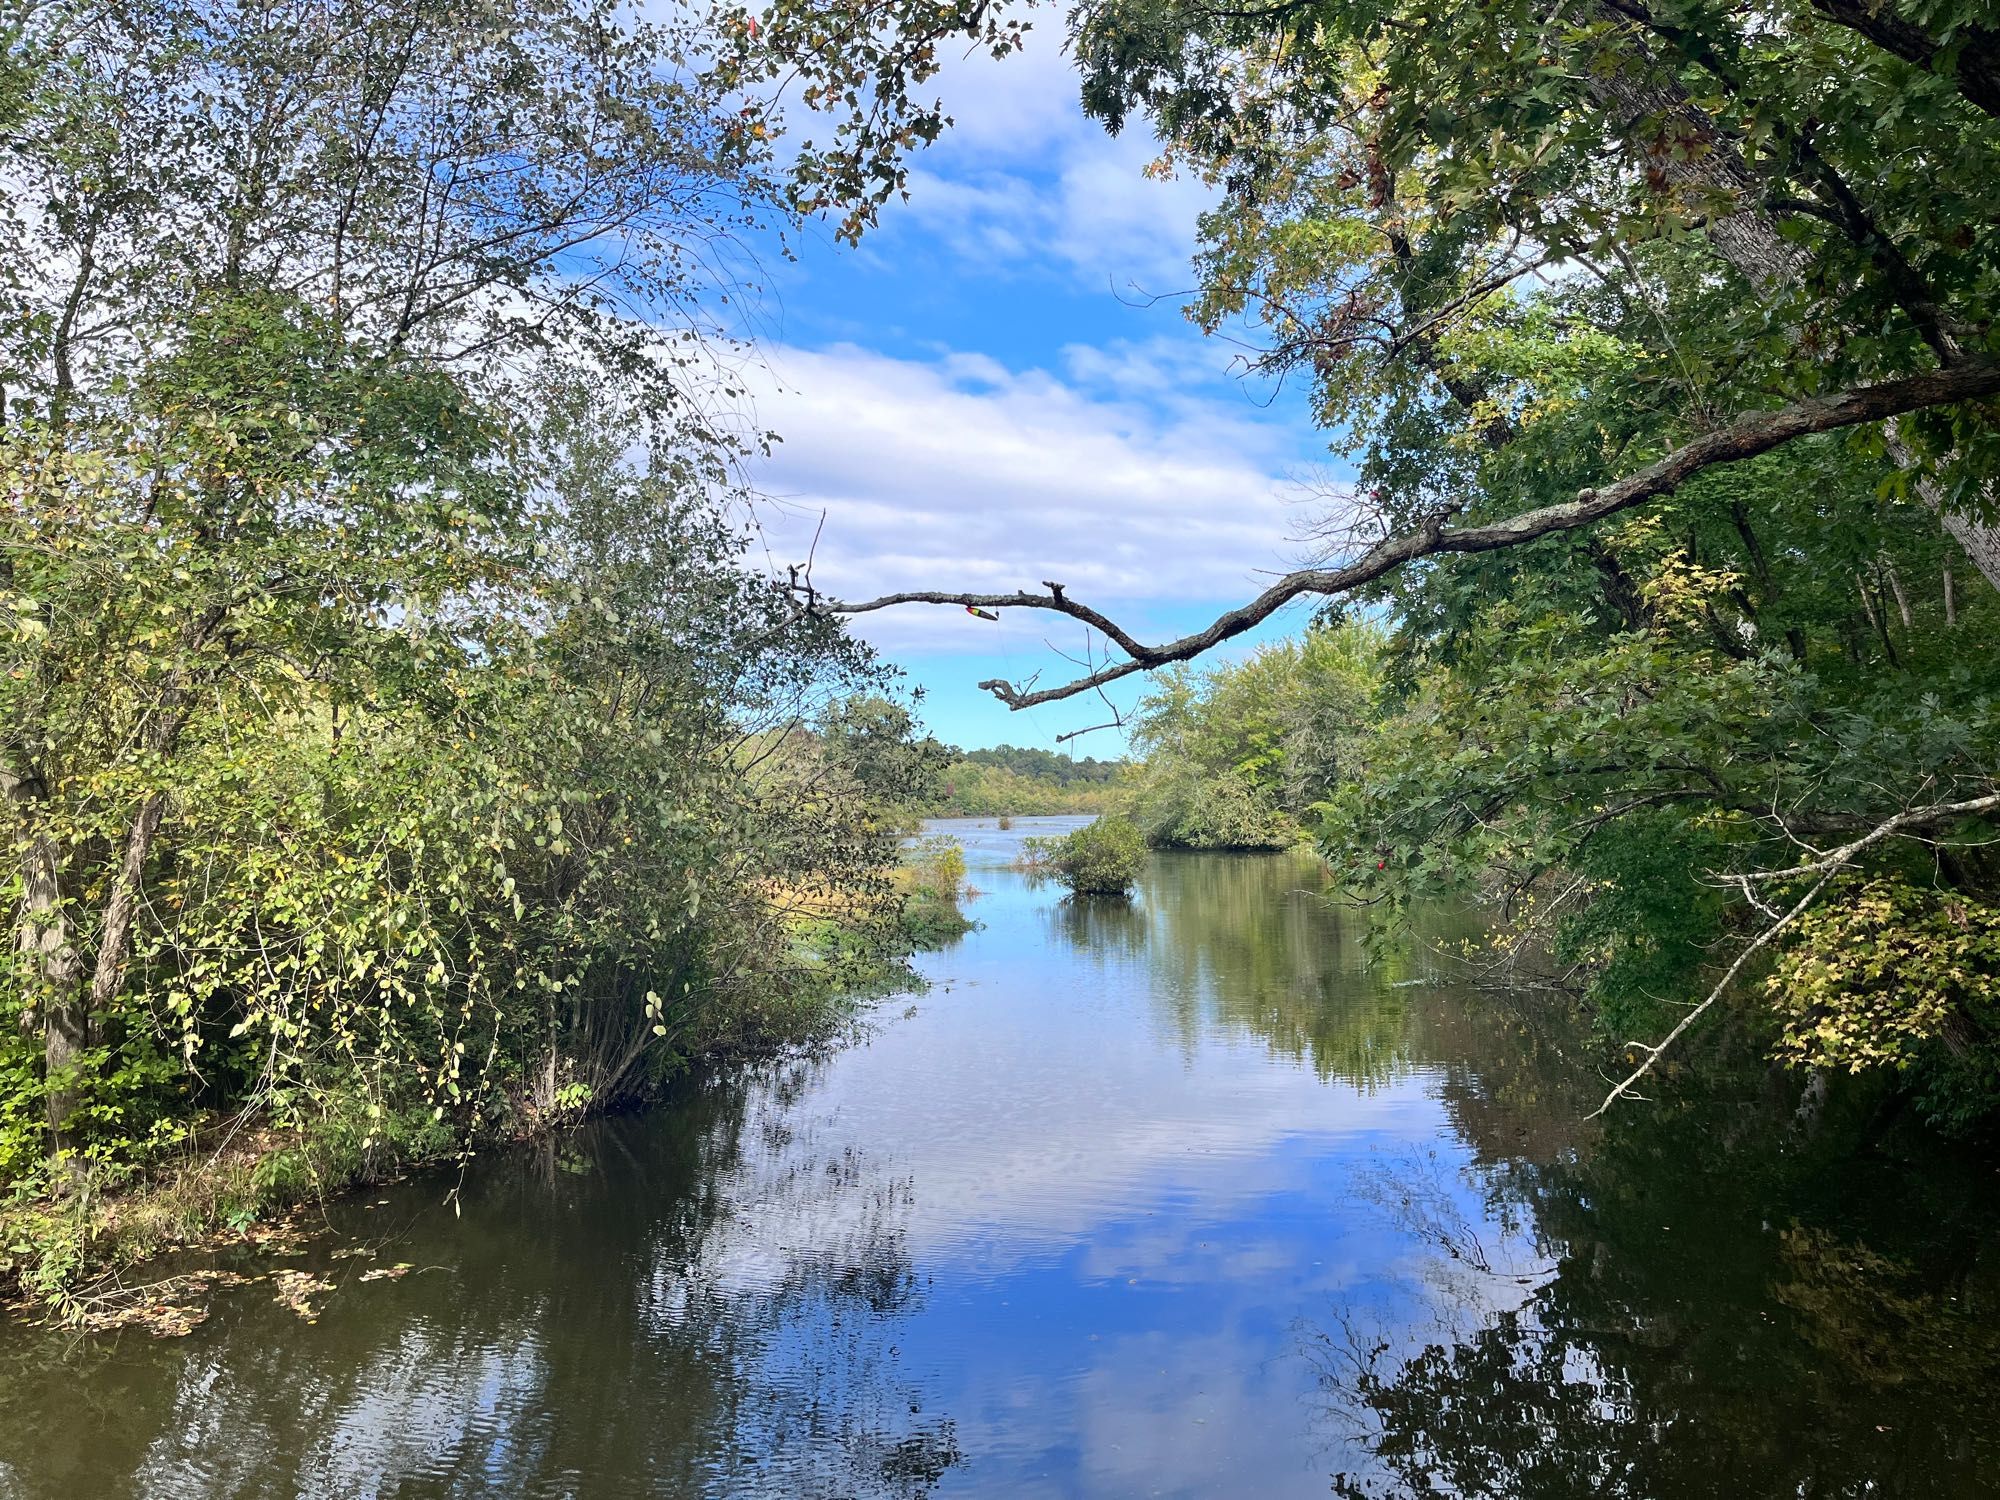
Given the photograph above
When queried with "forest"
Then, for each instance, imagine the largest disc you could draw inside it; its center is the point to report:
(1017, 781)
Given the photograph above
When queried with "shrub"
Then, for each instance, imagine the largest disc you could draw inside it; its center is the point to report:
(932, 882)
(1102, 858)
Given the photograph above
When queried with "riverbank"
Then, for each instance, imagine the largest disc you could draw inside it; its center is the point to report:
(146, 1251)
(100, 1253)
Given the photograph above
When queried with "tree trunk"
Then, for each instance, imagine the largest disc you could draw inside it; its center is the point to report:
(1689, 151)
(47, 942)
(115, 937)
(1981, 543)
(47, 934)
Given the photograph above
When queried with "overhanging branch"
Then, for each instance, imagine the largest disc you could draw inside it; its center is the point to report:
(1747, 437)
(1822, 872)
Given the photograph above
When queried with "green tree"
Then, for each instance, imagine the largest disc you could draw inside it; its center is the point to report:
(1662, 337)
(1236, 756)
(387, 726)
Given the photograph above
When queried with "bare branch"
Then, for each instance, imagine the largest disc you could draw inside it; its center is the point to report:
(1653, 1051)
(1825, 868)
(1913, 818)
(1748, 436)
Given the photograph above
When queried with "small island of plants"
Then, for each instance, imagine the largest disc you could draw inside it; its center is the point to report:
(1102, 858)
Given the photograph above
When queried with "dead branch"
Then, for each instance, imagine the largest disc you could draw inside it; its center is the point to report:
(1748, 436)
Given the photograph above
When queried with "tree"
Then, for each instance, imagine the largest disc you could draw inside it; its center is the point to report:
(272, 269)
(1398, 184)
(358, 683)
(1236, 758)
(1102, 858)
(875, 741)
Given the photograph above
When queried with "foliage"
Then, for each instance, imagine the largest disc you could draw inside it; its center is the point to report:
(389, 730)
(1236, 753)
(1610, 730)
(1393, 179)
(1102, 858)
(932, 881)
(1593, 736)
(1517, 252)
(857, 72)
(1038, 764)
(439, 181)
(1014, 782)
(875, 741)
(1605, 730)
(534, 848)
(1885, 972)
(1604, 769)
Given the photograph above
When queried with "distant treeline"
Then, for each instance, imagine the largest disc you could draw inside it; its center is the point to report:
(1045, 765)
(1024, 781)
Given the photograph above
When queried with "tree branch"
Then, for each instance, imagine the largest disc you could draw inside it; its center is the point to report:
(1747, 437)
(1971, 53)
(1653, 1051)
(1825, 868)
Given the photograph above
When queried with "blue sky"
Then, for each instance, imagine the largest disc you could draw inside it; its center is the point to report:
(982, 396)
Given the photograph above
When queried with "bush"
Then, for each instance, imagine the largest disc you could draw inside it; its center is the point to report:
(1100, 859)
(1178, 805)
(932, 882)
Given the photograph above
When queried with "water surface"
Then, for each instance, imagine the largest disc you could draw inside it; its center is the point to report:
(1181, 1198)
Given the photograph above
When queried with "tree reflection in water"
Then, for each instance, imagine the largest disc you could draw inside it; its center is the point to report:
(1197, 1194)
(1721, 1312)
(1745, 1293)
(737, 1355)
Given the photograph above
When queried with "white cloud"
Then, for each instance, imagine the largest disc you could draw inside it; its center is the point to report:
(1121, 479)
(1132, 471)
(1159, 368)
(1101, 218)
(1023, 183)
(1017, 108)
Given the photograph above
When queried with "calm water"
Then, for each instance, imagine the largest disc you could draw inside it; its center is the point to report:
(1181, 1199)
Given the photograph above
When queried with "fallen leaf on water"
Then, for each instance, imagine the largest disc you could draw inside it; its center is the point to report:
(296, 1289)
(168, 1309)
(173, 1322)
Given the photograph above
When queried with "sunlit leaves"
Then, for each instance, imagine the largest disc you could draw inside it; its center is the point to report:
(1885, 972)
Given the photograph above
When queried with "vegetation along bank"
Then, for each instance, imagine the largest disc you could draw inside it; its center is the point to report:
(394, 752)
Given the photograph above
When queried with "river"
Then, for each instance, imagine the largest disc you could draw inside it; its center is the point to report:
(1181, 1198)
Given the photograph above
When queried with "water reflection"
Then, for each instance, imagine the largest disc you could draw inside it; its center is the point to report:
(1801, 1322)
(611, 1310)
(1253, 949)
(1178, 1197)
